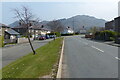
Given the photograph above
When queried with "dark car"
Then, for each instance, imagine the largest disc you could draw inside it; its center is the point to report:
(42, 38)
(52, 36)
(90, 35)
(47, 36)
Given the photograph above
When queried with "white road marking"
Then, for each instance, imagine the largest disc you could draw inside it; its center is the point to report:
(117, 58)
(97, 48)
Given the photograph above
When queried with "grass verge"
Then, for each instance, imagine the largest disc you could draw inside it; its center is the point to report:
(1, 41)
(35, 66)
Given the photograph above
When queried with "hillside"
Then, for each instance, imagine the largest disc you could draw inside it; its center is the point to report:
(77, 21)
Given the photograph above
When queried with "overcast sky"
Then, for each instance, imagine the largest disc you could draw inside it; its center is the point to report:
(102, 9)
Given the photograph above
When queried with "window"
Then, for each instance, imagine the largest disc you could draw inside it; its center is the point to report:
(36, 30)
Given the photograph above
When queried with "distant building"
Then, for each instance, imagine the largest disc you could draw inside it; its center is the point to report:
(68, 30)
(82, 30)
(110, 25)
(37, 31)
(117, 24)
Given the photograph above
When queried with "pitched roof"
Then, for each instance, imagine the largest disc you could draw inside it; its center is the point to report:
(3, 25)
(12, 32)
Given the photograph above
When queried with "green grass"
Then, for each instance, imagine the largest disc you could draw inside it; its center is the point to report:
(35, 66)
(1, 41)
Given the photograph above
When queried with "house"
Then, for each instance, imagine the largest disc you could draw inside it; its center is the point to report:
(117, 24)
(21, 30)
(82, 30)
(37, 31)
(2, 29)
(67, 30)
(117, 29)
(110, 25)
(34, 30)
(9, 34)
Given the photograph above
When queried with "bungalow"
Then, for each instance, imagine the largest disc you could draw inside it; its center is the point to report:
(9, 34)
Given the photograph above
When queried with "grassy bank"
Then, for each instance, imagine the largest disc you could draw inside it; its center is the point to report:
(35, 66)
(1, 41)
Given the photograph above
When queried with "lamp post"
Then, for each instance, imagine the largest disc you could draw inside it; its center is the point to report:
(73, 26)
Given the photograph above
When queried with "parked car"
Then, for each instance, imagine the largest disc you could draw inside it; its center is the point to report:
(47, 36)
(90, 35)
(42, 38)
(52, 36)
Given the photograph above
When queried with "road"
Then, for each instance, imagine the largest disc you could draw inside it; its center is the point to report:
(89, 59)
(10, 54)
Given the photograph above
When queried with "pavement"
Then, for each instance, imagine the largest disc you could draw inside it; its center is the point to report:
(89, 59)
(112, 43)
(12, 53)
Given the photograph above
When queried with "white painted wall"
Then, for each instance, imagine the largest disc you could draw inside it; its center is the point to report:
(68, 31)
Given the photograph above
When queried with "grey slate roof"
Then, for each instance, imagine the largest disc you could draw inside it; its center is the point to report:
(12, 32)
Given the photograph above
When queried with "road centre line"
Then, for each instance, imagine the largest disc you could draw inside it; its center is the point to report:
(97, 49)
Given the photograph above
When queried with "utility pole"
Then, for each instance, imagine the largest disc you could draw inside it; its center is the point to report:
(73, 25)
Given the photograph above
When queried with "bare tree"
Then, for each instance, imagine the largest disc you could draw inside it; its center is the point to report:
(93, 30)
(25, 16)
(56, 26)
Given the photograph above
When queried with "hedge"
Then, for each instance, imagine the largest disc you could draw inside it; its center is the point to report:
(106, 35)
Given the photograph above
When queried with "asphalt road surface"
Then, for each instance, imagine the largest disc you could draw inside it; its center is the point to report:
(10, 54)
(89, 59)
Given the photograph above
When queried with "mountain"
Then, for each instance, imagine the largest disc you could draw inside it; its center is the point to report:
(14, 24)
(83, 20)
(77, 21)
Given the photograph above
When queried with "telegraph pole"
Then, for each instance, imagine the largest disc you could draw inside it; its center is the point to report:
(73, 25)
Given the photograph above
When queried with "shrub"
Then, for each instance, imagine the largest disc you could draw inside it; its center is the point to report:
(70, 34)
(58, 34)
(105, 35)
(77, 33)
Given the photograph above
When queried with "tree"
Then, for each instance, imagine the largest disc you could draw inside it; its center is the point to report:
(93, 30)
(25, 16)
(56, 26)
